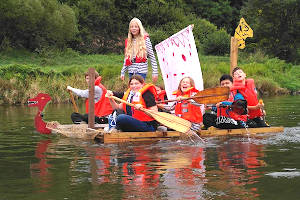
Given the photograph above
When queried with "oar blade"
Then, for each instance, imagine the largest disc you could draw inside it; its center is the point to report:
(212, 95)
(211, 100)
(171, 121)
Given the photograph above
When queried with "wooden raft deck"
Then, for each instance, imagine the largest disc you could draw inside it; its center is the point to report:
(120, 137)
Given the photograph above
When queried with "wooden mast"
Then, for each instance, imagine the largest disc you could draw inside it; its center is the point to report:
(91, 113)
(233, 53)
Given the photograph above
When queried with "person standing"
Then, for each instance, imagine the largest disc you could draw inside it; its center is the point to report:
(138, 49)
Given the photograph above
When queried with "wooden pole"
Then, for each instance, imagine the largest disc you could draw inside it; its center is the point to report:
(233, 53)
(91, 113)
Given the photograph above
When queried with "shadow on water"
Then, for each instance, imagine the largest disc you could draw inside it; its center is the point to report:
(34, 166)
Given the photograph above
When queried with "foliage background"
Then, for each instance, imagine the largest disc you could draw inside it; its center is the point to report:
(100, 26)
(46, 45)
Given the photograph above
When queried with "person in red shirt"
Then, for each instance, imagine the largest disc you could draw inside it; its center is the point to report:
(102, 105)
(209, 118)
(247, 88)
(187, 109)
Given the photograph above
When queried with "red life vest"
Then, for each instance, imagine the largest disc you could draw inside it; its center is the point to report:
(138, 99)
(128, 60)
(186, 110)
(249, 93)
(227, 112)
(102, 107)
(161, 96)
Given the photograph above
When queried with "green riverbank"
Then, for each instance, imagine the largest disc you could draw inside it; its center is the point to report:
(23, 74)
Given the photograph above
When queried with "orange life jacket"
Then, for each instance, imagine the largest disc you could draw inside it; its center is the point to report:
(161, 96)
(103, 106)
(138, 99)
(186, 110)
(128, 60)
(250, 95)
(227, 112)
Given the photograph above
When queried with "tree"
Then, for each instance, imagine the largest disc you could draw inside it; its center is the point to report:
(276, 26)
(224, 14)
(34, 24)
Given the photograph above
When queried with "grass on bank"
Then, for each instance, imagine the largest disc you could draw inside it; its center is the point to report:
(24, 74)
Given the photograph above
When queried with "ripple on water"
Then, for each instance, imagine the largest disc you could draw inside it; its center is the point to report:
(290, 135)
(286, 174)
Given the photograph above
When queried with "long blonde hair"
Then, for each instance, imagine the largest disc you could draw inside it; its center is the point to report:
(140, 47)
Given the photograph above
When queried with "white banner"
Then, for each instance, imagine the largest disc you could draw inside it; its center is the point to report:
(178, 58)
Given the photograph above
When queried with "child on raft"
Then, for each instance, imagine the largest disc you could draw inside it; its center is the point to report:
(247, 88)
(209, 118)
(187, 109)
(138, 49)
(161, 97)
(102, 105)
(142, 96)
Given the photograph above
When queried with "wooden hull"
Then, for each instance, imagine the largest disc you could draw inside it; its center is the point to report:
(82, 131)
(150, 136)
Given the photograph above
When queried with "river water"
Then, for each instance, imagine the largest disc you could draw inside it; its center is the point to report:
(35, 166)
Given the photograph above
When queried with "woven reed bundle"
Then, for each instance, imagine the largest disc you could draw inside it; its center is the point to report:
(73, 130)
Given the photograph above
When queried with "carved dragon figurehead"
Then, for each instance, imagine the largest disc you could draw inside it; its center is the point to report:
(40, 101)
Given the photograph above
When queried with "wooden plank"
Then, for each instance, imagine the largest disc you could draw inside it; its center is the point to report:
(217, 132)
(138, 136)
(151, 136)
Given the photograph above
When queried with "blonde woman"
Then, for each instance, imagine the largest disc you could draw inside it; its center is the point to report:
(138, 49)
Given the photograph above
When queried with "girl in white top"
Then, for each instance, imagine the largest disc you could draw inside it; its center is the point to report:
(138, 48)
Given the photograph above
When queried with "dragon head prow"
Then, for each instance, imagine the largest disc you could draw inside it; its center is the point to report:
(39, 101)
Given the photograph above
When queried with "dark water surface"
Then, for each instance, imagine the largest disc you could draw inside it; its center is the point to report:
(34, 166)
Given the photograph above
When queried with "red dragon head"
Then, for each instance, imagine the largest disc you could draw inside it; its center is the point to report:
(39, 101)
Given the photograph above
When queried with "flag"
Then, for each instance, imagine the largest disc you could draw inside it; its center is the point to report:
(242, 32)
(178, 58)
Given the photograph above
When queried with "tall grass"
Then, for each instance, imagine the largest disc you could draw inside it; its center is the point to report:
(23, 74)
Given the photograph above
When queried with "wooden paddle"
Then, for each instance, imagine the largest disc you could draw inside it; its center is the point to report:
(169, 120)
(263, 111)
(73, 101)
(208, 96)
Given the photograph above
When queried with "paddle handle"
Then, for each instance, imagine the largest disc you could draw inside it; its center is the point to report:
(73, 101)
(121, 100)
(188, 98)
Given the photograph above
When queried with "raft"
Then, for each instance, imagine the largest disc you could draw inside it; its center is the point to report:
(120, 137)
(82, 131)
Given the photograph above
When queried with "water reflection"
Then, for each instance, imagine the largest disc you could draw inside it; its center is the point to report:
(171, 172)
(48, 167)
(39, 170)
(240, 163)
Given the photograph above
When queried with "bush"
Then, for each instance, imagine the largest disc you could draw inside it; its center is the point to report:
(217, 43)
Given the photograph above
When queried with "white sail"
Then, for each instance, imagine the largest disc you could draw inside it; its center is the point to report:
(178, 58)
